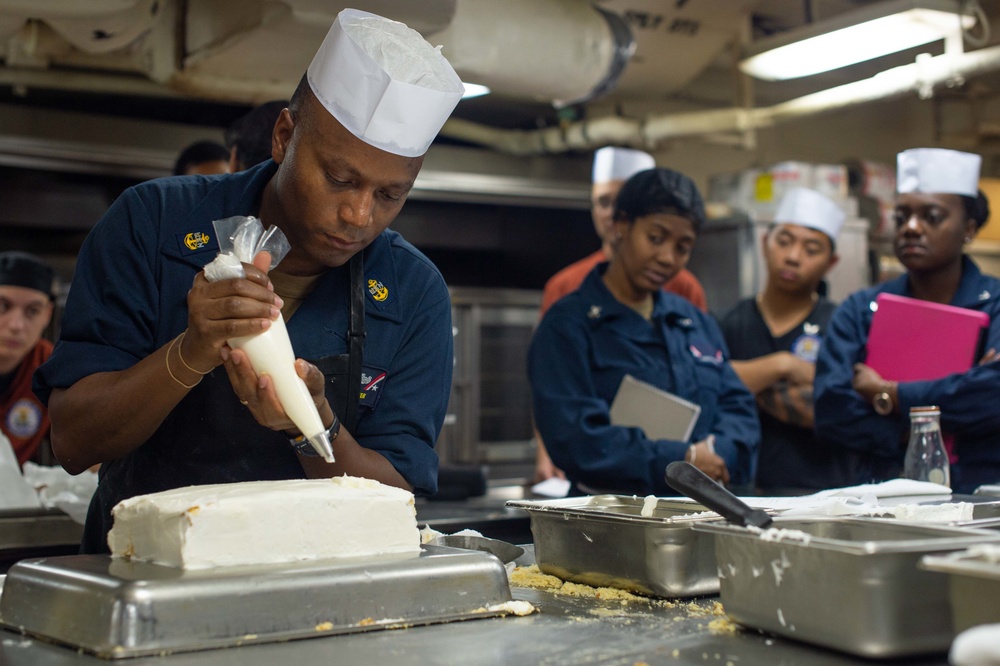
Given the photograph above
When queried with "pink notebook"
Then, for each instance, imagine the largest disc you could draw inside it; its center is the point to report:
(912, 340)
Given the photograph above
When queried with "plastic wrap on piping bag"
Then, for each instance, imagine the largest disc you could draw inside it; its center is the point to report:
(240, 240)
(270, 351)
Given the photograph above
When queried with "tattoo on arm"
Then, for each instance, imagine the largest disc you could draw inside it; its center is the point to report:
(788, 404)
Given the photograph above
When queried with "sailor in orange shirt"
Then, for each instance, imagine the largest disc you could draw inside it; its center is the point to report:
(612, 167)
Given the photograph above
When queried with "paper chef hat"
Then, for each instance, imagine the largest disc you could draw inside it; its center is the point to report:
(611, 163)
(937, 170)
(809, 208)
(384, 82)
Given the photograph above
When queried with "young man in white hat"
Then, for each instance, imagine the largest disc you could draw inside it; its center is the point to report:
(27, 287)
(612, 167)
(142, 379)
(939, 209)
(774, 339)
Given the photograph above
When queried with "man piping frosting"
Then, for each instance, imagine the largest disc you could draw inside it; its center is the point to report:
(142, 379)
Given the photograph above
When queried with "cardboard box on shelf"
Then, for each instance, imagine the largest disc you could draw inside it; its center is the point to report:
(751, 187)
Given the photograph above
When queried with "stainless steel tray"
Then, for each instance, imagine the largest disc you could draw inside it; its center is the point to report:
(116, 608)
(35, 528)
(985, 513)
(603, 540)
(853, 586)
(973, 586)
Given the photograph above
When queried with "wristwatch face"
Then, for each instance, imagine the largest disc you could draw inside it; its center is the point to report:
(882, 402)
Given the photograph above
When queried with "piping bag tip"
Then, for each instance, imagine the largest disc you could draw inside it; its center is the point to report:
(321, 442)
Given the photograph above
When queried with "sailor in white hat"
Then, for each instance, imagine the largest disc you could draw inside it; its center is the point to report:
(612, 167)
(938, 211)
(144, 327)
(775, 337)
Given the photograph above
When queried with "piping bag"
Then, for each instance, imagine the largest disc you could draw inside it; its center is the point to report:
(270, 351)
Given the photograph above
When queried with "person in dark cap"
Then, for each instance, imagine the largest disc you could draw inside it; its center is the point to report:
(202, 158)
(26, 296)
(620, 322)
(248, 138)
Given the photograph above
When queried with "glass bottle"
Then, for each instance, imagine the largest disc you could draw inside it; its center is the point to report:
(926, 457)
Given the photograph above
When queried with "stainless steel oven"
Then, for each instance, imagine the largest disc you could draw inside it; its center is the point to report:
(489, 416)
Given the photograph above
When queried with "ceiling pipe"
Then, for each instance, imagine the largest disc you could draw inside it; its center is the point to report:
(921, 77)
(563, 52)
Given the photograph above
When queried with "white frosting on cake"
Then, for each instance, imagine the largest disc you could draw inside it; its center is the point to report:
(265, 522)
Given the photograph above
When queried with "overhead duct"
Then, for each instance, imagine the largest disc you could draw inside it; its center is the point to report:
(569, 52)
(95, 26)
(920, 77)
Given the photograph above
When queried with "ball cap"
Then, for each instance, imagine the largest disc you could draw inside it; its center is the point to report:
(611, 164)
(809, 208)
(20, 269)
(937, 170)
(384, 82)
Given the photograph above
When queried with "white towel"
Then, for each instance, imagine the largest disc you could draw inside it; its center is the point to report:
(891, 488)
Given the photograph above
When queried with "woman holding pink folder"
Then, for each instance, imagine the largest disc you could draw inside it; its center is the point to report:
(939, 210)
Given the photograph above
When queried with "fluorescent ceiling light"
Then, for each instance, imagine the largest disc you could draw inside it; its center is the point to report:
(474, 90)
(853, 37)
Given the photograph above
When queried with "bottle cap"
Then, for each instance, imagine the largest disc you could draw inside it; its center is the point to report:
(929, 410)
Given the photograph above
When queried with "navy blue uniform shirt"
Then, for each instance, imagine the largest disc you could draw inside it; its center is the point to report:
(587, 342)
(967, 400)
(128, 299)
(792, 460)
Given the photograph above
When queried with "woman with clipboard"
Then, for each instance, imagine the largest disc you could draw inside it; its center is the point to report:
(620, 322)
(939, 210)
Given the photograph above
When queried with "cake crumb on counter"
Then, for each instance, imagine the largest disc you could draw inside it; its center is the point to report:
(532, 576)
(515, 607)
(723, 625)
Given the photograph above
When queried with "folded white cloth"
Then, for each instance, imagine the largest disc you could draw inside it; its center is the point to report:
(866, 499)
(57, 488)
(891, 488)
(978, 646)
(551, 487)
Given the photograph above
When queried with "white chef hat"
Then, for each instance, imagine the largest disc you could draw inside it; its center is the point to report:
(809, 208)
(937, 170)
(611, 163)
(384, 82)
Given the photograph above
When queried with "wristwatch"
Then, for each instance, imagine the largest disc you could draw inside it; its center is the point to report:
(304, 447)
(882, 402)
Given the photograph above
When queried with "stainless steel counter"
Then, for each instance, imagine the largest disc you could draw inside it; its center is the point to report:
(567, 630)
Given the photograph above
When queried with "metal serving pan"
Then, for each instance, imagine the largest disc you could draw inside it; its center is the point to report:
(985, 513)
(973, 584)
(116, 608)
(851, 584)
(603, 540)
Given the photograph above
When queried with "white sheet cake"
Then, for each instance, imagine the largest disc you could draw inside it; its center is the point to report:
(265, 522)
